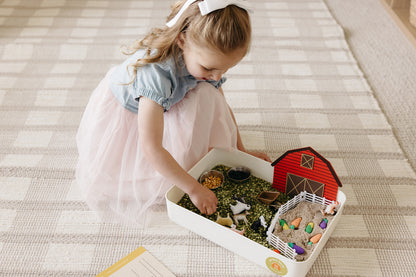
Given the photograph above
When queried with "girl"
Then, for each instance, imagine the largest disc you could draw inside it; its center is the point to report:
(154, 116)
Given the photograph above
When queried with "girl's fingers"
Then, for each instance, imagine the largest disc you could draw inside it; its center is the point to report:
(208, 211)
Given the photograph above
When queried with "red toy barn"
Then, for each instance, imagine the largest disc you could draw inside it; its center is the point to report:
(305, 169)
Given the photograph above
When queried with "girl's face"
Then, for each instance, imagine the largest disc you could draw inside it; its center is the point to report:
(206, 64)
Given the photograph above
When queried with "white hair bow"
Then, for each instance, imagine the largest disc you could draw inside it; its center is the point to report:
(208, 6)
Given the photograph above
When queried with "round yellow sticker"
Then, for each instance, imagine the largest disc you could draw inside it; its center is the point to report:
(276, 266)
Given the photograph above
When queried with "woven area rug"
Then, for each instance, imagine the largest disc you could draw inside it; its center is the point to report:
(299, 86)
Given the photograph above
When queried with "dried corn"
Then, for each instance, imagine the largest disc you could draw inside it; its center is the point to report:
(212, 182)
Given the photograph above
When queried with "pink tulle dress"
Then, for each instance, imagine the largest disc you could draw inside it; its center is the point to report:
(114, 176)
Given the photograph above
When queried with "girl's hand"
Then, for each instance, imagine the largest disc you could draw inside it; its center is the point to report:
(204, 199)
(261, 155)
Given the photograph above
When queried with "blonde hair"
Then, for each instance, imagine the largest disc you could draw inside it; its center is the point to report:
(224, 30)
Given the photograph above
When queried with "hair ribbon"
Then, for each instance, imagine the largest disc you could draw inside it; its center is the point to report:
(208, 6)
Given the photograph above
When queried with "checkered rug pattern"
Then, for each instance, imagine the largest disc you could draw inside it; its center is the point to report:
(299, 86)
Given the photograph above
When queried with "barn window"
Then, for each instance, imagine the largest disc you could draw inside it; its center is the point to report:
(307, 161)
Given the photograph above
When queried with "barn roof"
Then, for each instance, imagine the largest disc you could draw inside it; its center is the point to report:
(328, 164)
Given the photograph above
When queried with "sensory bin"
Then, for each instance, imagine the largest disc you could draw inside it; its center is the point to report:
(253, 245)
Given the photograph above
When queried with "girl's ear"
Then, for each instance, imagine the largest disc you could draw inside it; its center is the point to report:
(181, 39)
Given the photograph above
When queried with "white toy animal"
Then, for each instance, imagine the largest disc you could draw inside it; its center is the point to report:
(330, 209)
(239, 207)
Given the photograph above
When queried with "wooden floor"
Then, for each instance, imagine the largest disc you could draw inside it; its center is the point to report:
(400, 12)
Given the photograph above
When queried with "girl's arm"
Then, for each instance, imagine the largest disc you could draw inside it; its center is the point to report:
(240, 145)
(150, 122)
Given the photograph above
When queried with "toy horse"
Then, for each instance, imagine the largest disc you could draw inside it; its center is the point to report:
(242, 216)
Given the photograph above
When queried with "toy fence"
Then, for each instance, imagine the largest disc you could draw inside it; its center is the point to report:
(275, 241)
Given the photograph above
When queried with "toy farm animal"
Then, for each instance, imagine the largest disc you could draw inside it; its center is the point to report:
(241, 199)
(259, 222)
(225, 221)
(330, 209)
(238, 231)
(239, 207)
(242, 216)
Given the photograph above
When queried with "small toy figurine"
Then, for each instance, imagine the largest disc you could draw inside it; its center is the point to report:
(323, 223)
(259, 222)
(297, 248)
(309, 227)
(225, 221)
(242, 216)
(314, 239)
(283, 223)
(241, 199)
(238, 231)
(239, 207)
(295, 223)
(263, 221)
(330, 209)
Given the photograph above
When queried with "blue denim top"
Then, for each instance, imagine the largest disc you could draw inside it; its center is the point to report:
(165, 82)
